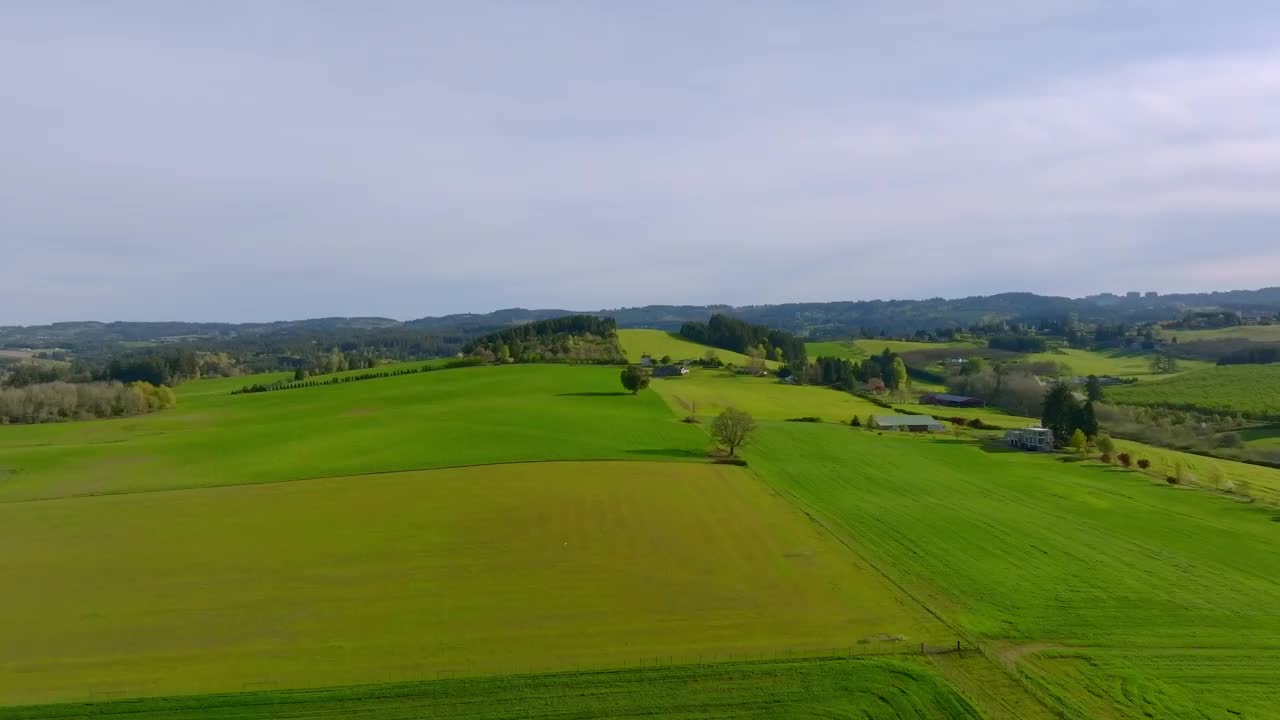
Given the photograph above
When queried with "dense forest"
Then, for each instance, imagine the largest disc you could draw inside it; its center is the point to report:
(730, 333)
(573, 338)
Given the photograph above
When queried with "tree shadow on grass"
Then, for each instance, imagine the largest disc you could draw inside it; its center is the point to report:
(671, 452)
(594, 394)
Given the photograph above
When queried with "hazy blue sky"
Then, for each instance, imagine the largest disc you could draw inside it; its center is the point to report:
(275, 160)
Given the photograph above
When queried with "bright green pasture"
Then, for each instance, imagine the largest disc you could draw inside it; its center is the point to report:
(1162, 598)
(436, 419)
(715, 390)
(657, 343)
(1260, 481)
(1253, 390)
(900, 689)
(861, 348)
(495, 569)
(1117, 363)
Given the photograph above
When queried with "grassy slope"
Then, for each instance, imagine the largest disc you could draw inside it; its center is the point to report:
(866, 688)
(1257, 333)
(858, 349)
(444, 418)
(1117, 363)
(656, 343)
(402, 576)
(1164, 596)
(1249, 389)
(766, 398)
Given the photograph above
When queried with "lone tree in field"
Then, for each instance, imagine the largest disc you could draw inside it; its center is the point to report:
(732, 429)
(634, 379)
(1078, 441)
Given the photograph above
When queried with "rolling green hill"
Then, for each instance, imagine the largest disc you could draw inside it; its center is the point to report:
(658, 343)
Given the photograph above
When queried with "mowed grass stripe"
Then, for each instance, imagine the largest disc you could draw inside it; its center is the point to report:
(489, 569)
(889, 689)
(438, 419)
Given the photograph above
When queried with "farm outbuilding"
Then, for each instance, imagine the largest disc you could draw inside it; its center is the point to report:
(907, 423)
(1036, 439)
(951, 400)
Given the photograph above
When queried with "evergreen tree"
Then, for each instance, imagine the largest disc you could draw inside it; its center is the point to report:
(1093, 389)
(1060, 409)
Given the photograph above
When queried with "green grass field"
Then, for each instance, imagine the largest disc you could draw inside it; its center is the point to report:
(766, 398)
(1115, 596)
(657, 343)
(861, 348)
(1252, 390)
(861, 688)
(1256, 333)
(437, 419)
(402, 576)
(1264, 437)
(1116, 363)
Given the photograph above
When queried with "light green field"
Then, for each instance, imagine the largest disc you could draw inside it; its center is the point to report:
(1262, 482)
(766, 398)
(1115, 596)
(402, 576)
(993, 416)
(1116, 363)
(1251, 390)
(657, 343)
(864, 688)
(437, 419)
(861, 348)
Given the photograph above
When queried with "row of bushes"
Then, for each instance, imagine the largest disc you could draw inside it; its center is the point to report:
(63, 401)
(296, 384)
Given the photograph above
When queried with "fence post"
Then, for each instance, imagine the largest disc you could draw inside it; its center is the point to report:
(922, 648)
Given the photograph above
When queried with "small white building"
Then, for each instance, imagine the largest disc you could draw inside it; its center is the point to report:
(907, 423)
(1035, 439)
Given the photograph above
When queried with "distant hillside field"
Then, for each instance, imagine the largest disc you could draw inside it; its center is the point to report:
(715, 390)
(436, 419)
(657, 343)
(1256, 333)
(1251, 390)
(861, 348)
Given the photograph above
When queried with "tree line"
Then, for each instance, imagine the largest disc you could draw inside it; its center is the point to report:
(301, 382)
(845, 374)
(63, 401)
(730, 333)
(573, 338)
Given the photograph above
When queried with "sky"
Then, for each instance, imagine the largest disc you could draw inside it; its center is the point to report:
(252, 161)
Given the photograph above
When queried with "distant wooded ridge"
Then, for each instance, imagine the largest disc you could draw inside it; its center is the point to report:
(817, 320)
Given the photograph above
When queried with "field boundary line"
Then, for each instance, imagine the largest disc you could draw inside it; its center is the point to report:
(371, 473)
(817, 518)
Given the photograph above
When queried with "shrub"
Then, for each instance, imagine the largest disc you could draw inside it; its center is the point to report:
(855, 422)
(807, 418)
(959, 421)
(975, 423)
(1172, 480)
(1106, 458)
(1124, 459)
(1105, 443)
(1228, 440)
(1144, 463)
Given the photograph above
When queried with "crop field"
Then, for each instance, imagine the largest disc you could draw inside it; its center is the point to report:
(1114, 596)
(1251, 390)
(437, 419)
(502, 569)
(766, 398)
(1256, 333)
(657, 343)
(888, 689)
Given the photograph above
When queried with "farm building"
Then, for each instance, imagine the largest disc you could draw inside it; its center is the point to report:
(670, 371)
(1033, 438)
(874, 385)
(951, 400)
(907, 423)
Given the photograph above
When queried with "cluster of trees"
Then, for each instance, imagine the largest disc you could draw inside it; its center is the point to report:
(35, 373)
(844, 373)
(1017, 343)
(730, 333)
(1251, 356)
(1206, 320)
(1012, 388)
(1164, 363)
(573, 338)
(1071, 421)
(62, 401)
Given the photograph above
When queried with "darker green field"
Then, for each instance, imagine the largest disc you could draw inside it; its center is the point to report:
(1113, 595)
(1249, 390)
(891, 690)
